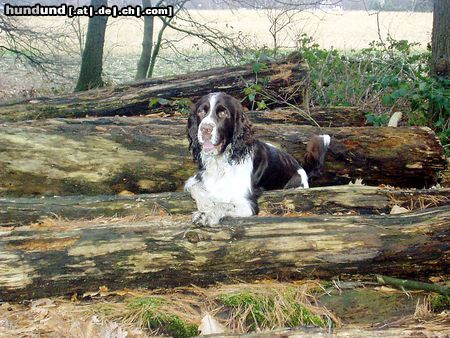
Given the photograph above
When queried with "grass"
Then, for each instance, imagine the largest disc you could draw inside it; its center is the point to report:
(440, 303)
(267, 306)
(240, 307)
(178, 312)
(255, 311)
(157, 314)
(148, 312)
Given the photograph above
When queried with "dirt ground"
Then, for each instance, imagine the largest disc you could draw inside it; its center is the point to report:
(356, 311)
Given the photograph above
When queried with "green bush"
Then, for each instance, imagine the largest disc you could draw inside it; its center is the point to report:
(440, 303)
(385, 77)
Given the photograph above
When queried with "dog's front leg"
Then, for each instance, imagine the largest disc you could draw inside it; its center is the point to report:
(239, 208)
(205, 205)
(211, 212)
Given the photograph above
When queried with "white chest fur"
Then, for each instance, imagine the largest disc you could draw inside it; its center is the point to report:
(227, 183)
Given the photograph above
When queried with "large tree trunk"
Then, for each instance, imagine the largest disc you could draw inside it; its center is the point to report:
(325, 200)
(109, 155)
(287, 78)
(92, 59)
(440, 42)
(147, 43)
(64, 258)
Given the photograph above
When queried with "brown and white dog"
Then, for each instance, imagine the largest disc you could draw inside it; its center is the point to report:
(234, 167)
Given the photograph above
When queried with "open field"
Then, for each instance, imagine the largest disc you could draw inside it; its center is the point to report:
(339, 30)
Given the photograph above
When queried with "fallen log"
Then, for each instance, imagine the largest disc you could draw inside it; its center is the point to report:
(65, 258)
(110, 155)
(406, 330)
(343, 199)
(287, 81)
(323, 116)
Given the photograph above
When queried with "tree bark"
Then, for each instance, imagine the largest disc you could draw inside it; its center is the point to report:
(399, 330)
(110, 155)
(147, 43)
(440, 41)
(287, 78)
(324, 117)
(344, 199)
(92, 59)
(41, 261)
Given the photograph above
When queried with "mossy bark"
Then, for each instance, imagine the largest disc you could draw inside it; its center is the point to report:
(141, 155)
(288, 79)
(324, 117)
(325, 200)
(65, 258)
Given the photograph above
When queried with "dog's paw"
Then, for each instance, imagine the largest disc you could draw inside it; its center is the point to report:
(205, 218)
(199, 217)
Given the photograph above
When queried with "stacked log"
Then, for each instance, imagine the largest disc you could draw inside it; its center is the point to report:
(139, 155)
(345, 199)
(78, 168)
(287, 82)
(64, 258)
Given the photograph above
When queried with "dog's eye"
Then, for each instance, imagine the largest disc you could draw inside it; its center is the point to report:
(222, 113)
(201, 113)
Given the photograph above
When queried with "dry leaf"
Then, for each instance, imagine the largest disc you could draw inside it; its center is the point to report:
(210, 325)
(125, 193)
(395, 119)
(44, 222)
(398, 210)
(436, 279)
(386, 289)
(103, 290)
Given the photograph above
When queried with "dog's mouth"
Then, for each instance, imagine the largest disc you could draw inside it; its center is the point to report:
(208, 146)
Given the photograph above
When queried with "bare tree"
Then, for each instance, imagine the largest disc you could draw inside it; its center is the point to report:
(225, 44)
(282, 14)
(38, 48)
(92, 59)
(280, 20)
(151, 48)
(441, 38)
(187, 26)
(147, 42)
(78, 30)
(282, 4)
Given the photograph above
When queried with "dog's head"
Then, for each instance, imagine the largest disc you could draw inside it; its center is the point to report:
(217, 123)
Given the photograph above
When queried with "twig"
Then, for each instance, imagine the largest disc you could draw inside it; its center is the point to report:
(413, 285)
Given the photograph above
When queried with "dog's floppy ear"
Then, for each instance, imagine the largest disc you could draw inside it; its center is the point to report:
(242, 135)
(192, 132)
